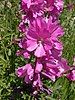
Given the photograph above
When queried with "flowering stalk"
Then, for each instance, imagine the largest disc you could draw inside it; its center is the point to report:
(41, 41)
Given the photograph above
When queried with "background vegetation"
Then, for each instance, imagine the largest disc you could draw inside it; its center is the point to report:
(11, 87)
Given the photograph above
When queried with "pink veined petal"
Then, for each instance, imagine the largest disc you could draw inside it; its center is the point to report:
(38, 22)
(52, 77)
(39, 67)
(42, 28)
(39, 52)
(27, 66)
(64, 64)
(20, 72)
(52, 26)
(50, 2)
(31, 45)
(40, 1)
(49, 75)
(28, 2)
(57, 33)
(59, 4)
(47, 45)
(32, 34)
(71, 75)
(44, 33)
(58, 46)
(30, 71)
(56, 53)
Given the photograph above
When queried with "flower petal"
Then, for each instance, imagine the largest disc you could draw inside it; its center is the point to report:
(20, 72)
(71, 75)
(47, 45)
(31, 45)
(49, 75)
(58, 32)
(40, 51)
(39, 67)
(58, 46)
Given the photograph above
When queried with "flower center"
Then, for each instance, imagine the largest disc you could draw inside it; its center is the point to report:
(40, 41)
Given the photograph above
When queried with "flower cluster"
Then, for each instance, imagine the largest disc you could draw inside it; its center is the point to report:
(41, 32)
(35, 8)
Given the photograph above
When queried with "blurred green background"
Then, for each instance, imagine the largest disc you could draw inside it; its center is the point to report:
(11, 87)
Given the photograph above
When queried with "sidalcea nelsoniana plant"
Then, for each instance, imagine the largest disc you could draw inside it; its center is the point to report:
(41, 32)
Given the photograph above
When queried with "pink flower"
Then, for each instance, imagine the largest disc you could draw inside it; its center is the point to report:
(71, 75)
(25, 72)
(35, 8)
(54, 7)
(23, 52)
(40, 43)
(43, 36)
(54, 68)
(32, 8)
